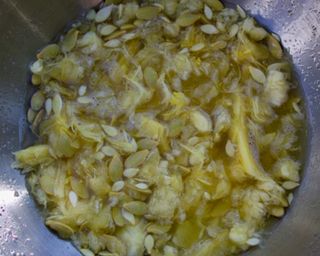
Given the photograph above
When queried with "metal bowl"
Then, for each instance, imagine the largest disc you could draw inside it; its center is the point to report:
(26, 26)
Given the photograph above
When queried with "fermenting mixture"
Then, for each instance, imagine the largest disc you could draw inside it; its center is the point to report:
(169, 128)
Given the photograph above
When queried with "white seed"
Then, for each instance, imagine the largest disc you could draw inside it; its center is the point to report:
(31, 115)
(128, 36)
(233, 30)
(241, 12)
(99, 156)
(149, 243)
(170, 250)
(141, 185)
(290, 198)
(221, 26)
(84, 100)
(277, 211)
(230, 149)
(206, 196)
(161, 7)
(130, 172)
(209, 29)
(110, 130)
(73, 198)
(106, 30)
(103, 14)
(113, 201)
(197, 47)
(201, 120)
(128, 216)
(253, 241)
(87, 252)
(48, 106)
(248, 24)
(288, 185)
(117, 186)
(184, 50)
(108, 151)
(120, 10)
(57, 104)
(113, 43)
(91, 15)
(257, 75)
(37, 67)
(208, 12)
(37, 101)
(82, 90)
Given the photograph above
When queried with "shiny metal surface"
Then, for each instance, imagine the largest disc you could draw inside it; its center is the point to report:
(25, 26)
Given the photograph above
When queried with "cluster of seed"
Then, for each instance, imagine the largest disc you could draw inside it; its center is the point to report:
(144, 114)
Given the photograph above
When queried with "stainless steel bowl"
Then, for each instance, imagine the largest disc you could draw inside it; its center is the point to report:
(25, 26)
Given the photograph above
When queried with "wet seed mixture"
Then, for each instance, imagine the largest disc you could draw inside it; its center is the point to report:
(167, 128)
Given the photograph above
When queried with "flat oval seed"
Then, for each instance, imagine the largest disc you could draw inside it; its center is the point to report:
(230, 150)
(148, 12)
(277, 211)
(248, 24)
(113, 43)
(241, 12)
(253, 241)
(57, 104)
(149, 243)
(274, 47)
(257, 75)
(130, 172)
(73, 198)
(50, 51)
(258, 34)
(110, 130)
(209, 29)
(128, 36)
(84, 100)
(117, 186)
(136, 207)
(82, 90)
(201, 120)
(208, 12)
(64, 230)
(128, 216)
(37, 100)
(103, 14)
(233, 30)
(215, 4)
(288, 185)
(150, 76)
(87, 252)
(106, 30)
(31, 115)
(171, 29)
(37, 67)
(70, 40)
(142, 185)
(109, 151)
(115, 168)
(36, 79)
(290, 198)
(48, 106)
(135, 159)
(197, 47)
(187, 19)
(91, 15)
